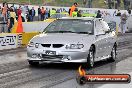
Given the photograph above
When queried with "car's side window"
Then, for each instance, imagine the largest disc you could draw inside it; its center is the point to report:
(105, 26)
(99, 27)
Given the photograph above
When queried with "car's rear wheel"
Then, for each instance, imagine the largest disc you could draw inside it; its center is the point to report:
(33, 63)
(90, 59)
(113, 53)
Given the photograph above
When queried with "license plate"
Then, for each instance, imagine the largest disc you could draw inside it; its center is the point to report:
(50, 52)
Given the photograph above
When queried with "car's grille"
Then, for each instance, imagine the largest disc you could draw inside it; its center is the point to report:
(53, 45)
(46, 45)
(52, 56)
(57, 45)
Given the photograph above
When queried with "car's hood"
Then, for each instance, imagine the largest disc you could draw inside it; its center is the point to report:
(60, 38)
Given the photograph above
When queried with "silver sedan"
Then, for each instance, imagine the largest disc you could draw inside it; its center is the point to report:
(73, 40)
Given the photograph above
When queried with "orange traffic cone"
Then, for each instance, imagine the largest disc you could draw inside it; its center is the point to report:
(19, 25)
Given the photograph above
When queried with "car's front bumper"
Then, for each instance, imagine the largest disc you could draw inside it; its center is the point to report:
(61, 57)
(57, 60)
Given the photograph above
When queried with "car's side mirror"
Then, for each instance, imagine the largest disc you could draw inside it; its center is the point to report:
(107, 32)
(110, 30)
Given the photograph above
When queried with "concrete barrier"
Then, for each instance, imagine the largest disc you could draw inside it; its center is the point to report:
(10, 40)
(26, 37)
(15, 40)
(37, 26)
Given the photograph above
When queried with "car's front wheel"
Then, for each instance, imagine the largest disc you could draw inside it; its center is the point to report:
(113, 53)
(33, 63)
(90, 59)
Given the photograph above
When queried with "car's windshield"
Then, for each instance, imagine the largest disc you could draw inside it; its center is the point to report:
(70, 26)
(58, 15)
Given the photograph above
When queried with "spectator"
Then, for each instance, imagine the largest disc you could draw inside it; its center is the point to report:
(129, 11)
(79, 13)
(46, 13)
(8, 13)
(15, 9)
(123, 22)
(27, 12)
(19, 11)
(118, 13)
(84, 2)
(0, 10)
(42, 14)
(114, 14)
(126, 3)
(74, 13)
(24, 12)
(39, 14)
(69, 11)
(23, 19)
(110, 4)
(32, 14)
(90, 3)
(53, 11)
(98, 14)
(73, 8)
(4, 11)
(105, 2)
(58, 11)
(107, 13)
(103, 14)
(12, 19)
(118, 3)
(113, 3)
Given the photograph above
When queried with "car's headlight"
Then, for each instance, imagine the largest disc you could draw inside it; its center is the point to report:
(74, 46)
(31, 44)
(36, 45)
